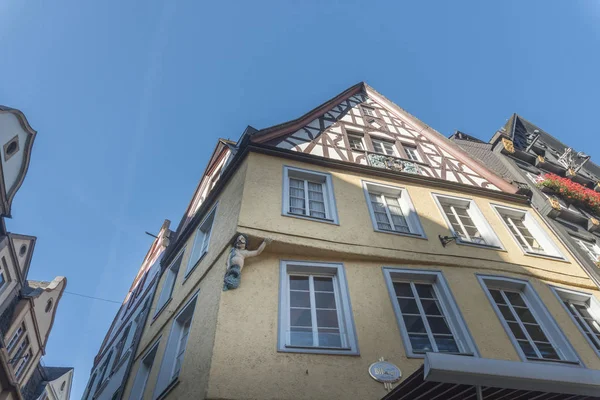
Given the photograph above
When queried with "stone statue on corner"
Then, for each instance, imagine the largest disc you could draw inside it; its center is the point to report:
(235, 262)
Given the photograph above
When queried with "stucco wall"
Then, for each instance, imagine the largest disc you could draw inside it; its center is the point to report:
(246, 363)
(210, 269)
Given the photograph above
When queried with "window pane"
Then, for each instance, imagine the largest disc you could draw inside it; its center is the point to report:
(327, 318)
(299, 282)
(497, 296)
(536, 333)
(323, 284)
(301, 337)
(325, 300)
(446, 344)
(515, 299)
(329, 338)
(300, 317)
(299, 299)
(414, 324)
(525, 315)
(438, 325)
(425, 291)
(408, 306)
(517, 331)
(431, 307)
(506, 313)
(420, 343)
(547, 351)
(527, 349)
(403, 289)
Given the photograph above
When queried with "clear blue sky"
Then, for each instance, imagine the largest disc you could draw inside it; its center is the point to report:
(129, 99)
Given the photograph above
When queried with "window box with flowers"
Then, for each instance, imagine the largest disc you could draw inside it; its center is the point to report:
(571, 192)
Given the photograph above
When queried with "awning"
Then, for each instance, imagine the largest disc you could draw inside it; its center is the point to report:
(453, 377)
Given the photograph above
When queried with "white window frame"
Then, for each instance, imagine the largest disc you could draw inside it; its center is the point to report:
(586, 299)
(166, 291)
(314, 176)
(24, 363)
(541, 314)
(201, 240)
(167, 367)
(143, 373)
(583, 244)
(454, 318)
(359, 136)
(393, 144)
(414, 152)
(550, 249)
(481, 223)
(16, 337)
(343, 305)
(406, 204)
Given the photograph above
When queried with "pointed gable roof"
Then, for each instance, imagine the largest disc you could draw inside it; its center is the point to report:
(319, 132)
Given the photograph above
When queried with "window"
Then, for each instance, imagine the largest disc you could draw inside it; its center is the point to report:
(591, 249)
(120, 346)
(62, 386)
(201, 240)
(103, 370)
(4, 274)
(14, 339)
(584, 309)
(370, 112)
(167, 288)
(49, 305)
(427, 315)
(315, 313)
(356, 142)
(90, 385)
(533, 331)
(391, 209)
(412, 153)
(308, 194)
(175, 349)
(527, 232)
(20, 351)
(466, 221)
(384, 147)
(26, 359)
(141, 378)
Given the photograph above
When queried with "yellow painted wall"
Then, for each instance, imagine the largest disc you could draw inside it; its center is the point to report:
(234, 334)
(246, 336)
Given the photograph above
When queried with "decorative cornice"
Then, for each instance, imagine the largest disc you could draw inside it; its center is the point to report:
(508, 145)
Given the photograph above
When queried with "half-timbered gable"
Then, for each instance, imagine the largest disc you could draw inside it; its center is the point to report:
(361, 126)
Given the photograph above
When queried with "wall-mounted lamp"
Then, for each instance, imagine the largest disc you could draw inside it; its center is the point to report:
(445, 240)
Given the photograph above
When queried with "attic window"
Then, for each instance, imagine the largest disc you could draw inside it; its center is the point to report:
(62, 387)
(11, 148)
(369, 111)
(22, 250)
(49, 305)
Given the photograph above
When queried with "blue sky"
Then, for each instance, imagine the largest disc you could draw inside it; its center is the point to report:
(129, 98)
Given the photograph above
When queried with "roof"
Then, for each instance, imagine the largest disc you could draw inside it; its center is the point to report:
(53, 373)
(483, 152)
(523, 132)
(35, 288)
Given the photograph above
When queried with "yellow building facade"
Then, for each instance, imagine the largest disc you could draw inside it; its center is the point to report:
(387, 254)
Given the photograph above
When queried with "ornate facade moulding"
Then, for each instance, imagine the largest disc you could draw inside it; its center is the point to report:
(593, 225)
(509, 146)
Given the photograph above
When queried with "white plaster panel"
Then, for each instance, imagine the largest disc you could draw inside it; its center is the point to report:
(9, 128)
(359, 121)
